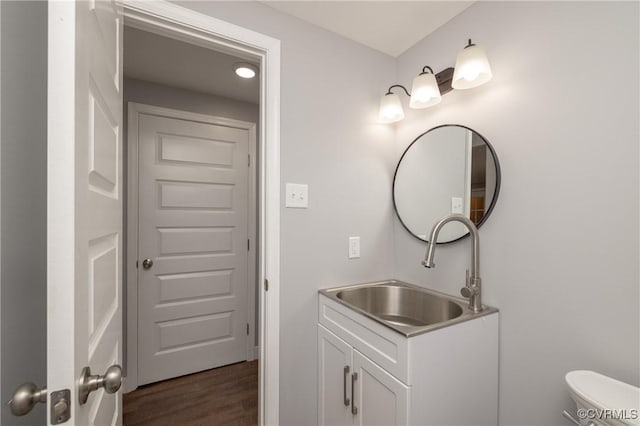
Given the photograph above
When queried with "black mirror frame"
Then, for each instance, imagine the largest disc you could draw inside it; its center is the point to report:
(495, 195)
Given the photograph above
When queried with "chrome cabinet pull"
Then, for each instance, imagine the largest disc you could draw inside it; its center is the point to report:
(354, 409)
(345, 397)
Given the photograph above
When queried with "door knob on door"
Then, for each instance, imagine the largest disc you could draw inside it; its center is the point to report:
(25, 397)
(111, 382)
(147, 263)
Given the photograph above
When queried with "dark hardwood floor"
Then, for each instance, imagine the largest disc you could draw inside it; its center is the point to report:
(221, 396)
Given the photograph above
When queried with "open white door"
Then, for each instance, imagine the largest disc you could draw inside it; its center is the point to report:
(84, 228)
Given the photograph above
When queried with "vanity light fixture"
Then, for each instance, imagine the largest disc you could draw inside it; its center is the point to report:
(245, 70)
(391, 107)
(425, 91)
(472, 70)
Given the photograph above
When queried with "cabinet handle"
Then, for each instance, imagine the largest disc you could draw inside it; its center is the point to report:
(345, 398)
(354, 409)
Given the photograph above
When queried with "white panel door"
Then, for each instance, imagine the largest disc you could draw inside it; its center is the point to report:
(193, 225)
(334, 379)
(84, 228)
(381, 399)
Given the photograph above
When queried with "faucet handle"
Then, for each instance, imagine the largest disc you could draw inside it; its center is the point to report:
(468, 292)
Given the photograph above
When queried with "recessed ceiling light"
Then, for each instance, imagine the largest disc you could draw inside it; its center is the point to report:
(245, 70)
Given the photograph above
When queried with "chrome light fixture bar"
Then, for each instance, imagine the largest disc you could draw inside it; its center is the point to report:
(472, 70)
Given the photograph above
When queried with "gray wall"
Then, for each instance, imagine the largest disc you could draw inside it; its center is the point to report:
(145, 92)
(566, 283)
(565, 279)
(23, 48)
(560, 252)
(330, 90)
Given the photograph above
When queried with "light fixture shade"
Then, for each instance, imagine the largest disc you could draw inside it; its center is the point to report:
(472, 68)
(390, 108)
(425, 91)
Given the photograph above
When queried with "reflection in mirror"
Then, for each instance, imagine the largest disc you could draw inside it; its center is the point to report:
(449, 169)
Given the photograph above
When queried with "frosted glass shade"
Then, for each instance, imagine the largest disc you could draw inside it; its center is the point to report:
(425, 91)
(472, 68)
(390, 108)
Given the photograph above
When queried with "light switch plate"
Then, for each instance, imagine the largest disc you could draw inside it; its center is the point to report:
(297, 196)
(354, 247)
(456, 205)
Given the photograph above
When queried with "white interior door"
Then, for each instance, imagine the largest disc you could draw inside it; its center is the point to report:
(193, 225)
(84, 196)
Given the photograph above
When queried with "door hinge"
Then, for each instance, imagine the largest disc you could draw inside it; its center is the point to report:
(247, 329)
(266, 285)
(248, 245)
(136, 264)
(249, 160)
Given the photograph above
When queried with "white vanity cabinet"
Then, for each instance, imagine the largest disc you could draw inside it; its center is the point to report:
(369, 374)
(335, 365)
(354, 390)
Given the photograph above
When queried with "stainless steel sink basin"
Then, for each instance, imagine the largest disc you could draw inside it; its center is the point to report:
(403, 307)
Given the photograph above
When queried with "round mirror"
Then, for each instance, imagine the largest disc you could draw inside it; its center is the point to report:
(448, 169)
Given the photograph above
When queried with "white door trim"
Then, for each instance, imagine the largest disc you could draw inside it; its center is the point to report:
(1, 398)
(132, 235)
(177, 22)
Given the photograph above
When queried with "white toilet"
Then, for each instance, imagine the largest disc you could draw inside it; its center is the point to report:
(603, 401)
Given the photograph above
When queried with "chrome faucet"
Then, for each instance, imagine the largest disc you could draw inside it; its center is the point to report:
(471, 290)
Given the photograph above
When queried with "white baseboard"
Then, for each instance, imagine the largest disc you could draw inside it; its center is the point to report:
(128, 385)
(253, 353)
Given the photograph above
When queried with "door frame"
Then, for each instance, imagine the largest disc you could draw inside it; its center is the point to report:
(131, 294)
(170, 20)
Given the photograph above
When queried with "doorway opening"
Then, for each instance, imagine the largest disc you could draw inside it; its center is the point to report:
(179, 281)
(192, 236)
(191, 213)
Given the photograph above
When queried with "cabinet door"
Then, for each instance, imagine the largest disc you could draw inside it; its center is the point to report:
(334, 379)
(380, 398)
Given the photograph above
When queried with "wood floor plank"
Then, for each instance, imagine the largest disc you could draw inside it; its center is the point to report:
(221, 396)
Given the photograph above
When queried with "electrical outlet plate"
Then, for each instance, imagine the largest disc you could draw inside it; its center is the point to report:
(354, 247)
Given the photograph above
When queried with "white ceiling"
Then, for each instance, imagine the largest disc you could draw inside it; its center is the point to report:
(162, 60)
(388, 26)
